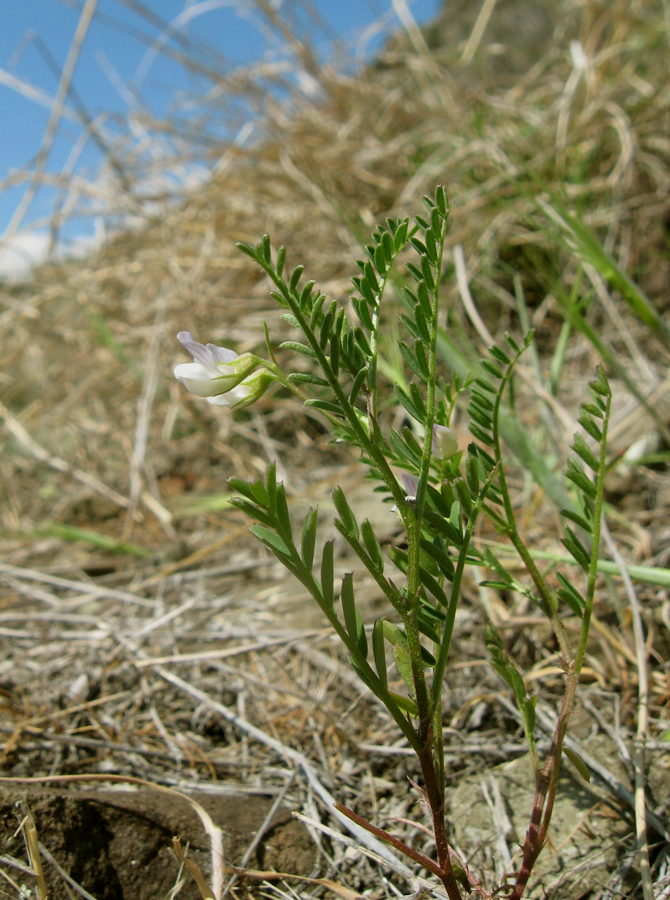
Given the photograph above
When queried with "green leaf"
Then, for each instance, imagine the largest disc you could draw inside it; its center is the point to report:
(281, 259)
(291, 319)
(427, 272)
(444, 527)
(309, 538)
(401, 449)
(248, 249)
(319, 300)
(432, 548)
(352, 620)
(307, 378)
(417, 412)
(379, 651)
(387, 244)
(590, 426)
(485, 386)
(580, 479)
(492, 369)
(411, 360)
(282, 511)
(578, 763)
(297, 347)
(328, 574)
(500, 355)
(480, 434)
(380, 260)
(266, 249)
(306, 296)
(295, 277)
(578, 520)
(570, 596)
(254, 492)
(433, 586)
(363, 312)
(272, 540)
(441, 201)
(400, 236)
(410, 325)
(576, 549)
(271, 486)
(582, 449)
(253, 511)
(403, 663)
(345, 513)
(325, 405)
(406, 704)
(431, 247)
(359, 381)
(372, 544)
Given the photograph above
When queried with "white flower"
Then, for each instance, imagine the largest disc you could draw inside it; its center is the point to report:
(445, 442)
(216, 371)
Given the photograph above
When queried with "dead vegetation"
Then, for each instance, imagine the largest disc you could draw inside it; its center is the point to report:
(145, 635)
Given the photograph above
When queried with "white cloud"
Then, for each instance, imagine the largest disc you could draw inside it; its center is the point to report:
(22, 253)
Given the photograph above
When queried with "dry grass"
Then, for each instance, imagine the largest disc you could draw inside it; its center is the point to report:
(98, 437)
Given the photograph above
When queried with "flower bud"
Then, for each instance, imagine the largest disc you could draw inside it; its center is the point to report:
(247, 392)
(445, 443)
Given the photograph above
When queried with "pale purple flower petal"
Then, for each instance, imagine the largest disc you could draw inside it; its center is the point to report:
(207, 356)
(411, 483)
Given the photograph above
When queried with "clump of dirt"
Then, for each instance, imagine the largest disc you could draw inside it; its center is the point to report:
(118, 844)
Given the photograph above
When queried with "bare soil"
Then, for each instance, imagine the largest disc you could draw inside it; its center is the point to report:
(117, 845)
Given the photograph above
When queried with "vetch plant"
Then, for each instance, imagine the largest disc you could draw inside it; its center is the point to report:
(439, 494)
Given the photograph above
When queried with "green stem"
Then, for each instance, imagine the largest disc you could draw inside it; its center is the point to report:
(595, 546)
(363, 438)
(546, 598)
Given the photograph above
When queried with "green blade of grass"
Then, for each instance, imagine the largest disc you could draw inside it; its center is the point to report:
(99, 541)
(581, 240)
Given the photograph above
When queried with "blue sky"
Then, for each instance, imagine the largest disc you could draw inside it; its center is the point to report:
(117, 69)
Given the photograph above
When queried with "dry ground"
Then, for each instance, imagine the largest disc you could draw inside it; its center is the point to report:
(146, 636)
